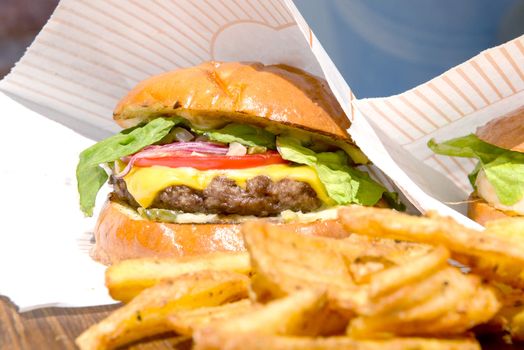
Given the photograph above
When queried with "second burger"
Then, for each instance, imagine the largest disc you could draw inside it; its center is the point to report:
(498, 177)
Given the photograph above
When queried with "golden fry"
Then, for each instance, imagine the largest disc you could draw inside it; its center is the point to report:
(418, 268)
(409, 295)
(303, 313)
(397, 252)
(511, 228)
(512, 303)
(368, 255)
(147, 314)
(462, 303)
(297, 314)
(494, 269)
(399, 286)
(510, 317)
(478, 249)
(517, 326)
(268, 342)
(128, 278)
(284, 262)
(185, 322)
(468, 314)
(362, 268)
(305, 289)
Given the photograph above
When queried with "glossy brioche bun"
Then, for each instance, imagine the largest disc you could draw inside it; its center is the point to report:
(216, 92)
(506, 131)
(480, 211)
(120, 233)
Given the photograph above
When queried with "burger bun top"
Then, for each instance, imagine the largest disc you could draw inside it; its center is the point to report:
(505, 132)
(212, 93)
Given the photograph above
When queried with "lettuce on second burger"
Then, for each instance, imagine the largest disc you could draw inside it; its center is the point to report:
(498, 178)
(211, 146)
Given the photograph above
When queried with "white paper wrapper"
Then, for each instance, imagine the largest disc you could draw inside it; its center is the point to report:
(44, 241)
(451, 105)
(393, 131)
(92, 52)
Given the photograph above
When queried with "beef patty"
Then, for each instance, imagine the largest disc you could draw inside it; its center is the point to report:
(260, 197)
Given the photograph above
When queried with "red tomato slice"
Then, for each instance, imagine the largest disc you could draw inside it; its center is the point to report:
(207, 162)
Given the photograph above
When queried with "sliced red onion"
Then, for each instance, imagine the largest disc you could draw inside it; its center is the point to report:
(177, 148)
(202, 147)
(127, 169)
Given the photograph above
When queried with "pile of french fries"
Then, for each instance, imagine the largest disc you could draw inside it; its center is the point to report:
(397, 282)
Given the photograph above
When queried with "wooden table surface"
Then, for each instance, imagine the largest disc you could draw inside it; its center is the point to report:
(57, 328)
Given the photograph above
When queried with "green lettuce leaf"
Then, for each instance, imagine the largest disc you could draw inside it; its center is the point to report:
(469, 146)
(504, 169)
(91, 177)
(247, 135)
(506, 174)
(343, 183)
(393, 200)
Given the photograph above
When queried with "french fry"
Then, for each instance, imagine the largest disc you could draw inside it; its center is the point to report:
(517, 326)
(394, 251)
(483, 251)
(418, 268)
(476, 310)
(512, 303)
(512, 231)
(463, 302)
(272, 342)
(479, 309)
(128, 278)
(306, 290)
(510, 318)
(376, 254)
(284, 262)
(147, 314)
(303, 313)
(410, 294)
(398, 286)
(185, 322)
(510, 228)
(494, 269)
(362, 268)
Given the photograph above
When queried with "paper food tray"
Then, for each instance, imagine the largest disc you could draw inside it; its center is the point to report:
(91, 53)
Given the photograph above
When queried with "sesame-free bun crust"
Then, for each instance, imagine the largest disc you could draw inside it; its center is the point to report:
(506, 131)
(120, 233)
(215, 92)
(480, 211)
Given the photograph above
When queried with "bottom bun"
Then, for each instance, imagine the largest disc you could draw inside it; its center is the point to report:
(480, 211)
(120, 233)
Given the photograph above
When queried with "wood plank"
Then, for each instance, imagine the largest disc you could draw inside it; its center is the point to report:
(57, 328)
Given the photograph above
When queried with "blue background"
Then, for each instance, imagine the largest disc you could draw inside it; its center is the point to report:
(384, 47)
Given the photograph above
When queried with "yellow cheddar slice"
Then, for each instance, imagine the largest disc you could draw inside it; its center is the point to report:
(145, 183)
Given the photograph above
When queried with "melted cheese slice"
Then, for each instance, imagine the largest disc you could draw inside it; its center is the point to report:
(145, 183)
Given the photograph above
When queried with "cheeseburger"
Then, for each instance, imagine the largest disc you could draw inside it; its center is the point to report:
(208, 147)
(498, 178)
